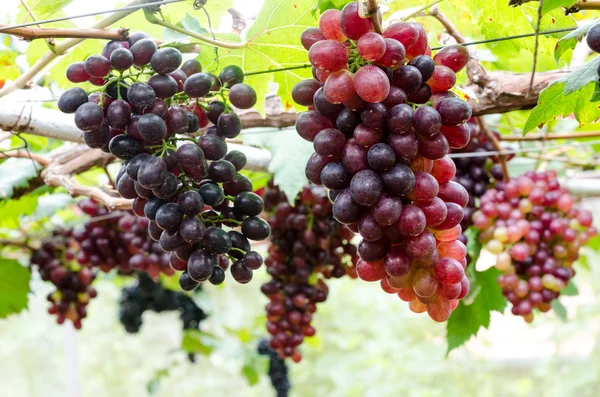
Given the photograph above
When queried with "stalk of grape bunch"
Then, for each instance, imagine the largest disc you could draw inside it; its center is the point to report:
(187, 188)
(382, 119)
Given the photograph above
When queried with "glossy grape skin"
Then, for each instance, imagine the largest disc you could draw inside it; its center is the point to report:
(346, 210)
(427, 121)
(373, 251)
(425, 64)
(371, 84)
(387, 210)
(371, 46)
(141, 96)
(453, 192)
(404, 32)
(395, 97)
(329, 142)
(97, 66)
(177, 122)
(231, 75)
(98, 138)
(76, 73)
(398, 180)
(442, 79)
(352, 25)
(457, 136)
(166, 60)
(339, 87)
(328, 55)
(255, 228)
(152, 128)
(192, 161)
(309, 124)
(214, 147)
(400, 119)
(394, 54)
(347, 121)
(420, 96)
(163, 85)
(453, 111)
(334, 176)
(191, 66)
(88, 116)
(121, 59)
(366, 136)
(329, 24)
(408, 78)
(310, 36)
(454, 56)
(434, 147)
(229, 125)
(304, 91)
(327, 109)
(443, 170)
(72, 99)
(366, 187)
(212, 194)
(354, 157)
(420, 45)
(197, 85)
(118, 114)
(381, 157)
(314, 167)
(406, 146)
(242, 96)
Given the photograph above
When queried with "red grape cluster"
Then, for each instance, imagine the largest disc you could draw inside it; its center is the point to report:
(381, 129)
(56, 261)
(532, 226)
(148, 98)
(307, 247)
(118, 240)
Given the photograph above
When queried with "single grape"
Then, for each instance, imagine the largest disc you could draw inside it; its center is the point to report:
(334, 176)
(151, 172)
(406, 146)
(404, 32)
(192, 161)
(458, 136)
(169, 217)
(213, 146)
(371, 46)
(141, 96)
(453, 111)
(425, 65)
(427, 121)
(371, 84)
(354, 157)
(420, 96)
(366, 136)
(231, 75)
(329, 23)
(442, 79)
(407, 78)
(394, 54)
(304, 92)
(434, 147)
(97, 66)
(121, 59)
(400, 119)
(314, 167)
(381, 157)
(164, 86)
(221, 171)
(327, 109)
(328, 55)
(237, 158)
(310, 36)
(118, 114)
(201, 265)
(240, 272)
(454, 56)
(242, 96)
(168, 188)
(212, 194)
(191, 66)
(351, 24)
(166, 60)
(347, 121)
(366, 187)
(177, 121)
(152, 128)
(329, 142)
(72, 99)
(339, 87)
(88, 116)
(255, 228)
(229, 125)
(387, 210)
(345, 209)
(98, 138)
(76, 73)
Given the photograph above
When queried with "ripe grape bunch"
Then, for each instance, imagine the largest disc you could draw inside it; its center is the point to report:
(146, 294)
(278, 370)
(146, 101)
(307, 247)
(532, 226)
(118, 240)
(381, 129)
(56, 263)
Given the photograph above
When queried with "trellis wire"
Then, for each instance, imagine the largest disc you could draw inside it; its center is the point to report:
(522, 150)
(91, 14)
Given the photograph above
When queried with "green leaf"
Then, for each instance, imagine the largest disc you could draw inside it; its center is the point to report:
(196, 341)
(559, 310)
(259, 179)
(473, 244)
(550, 5)
(570, 289)
(16, 173)
(583, 75)
(44, 9)
(466, 320)
(251, 374)
(154, 383)
(14, 287)
(596, 94)
(190, 23)
(287, 166)
(569, 41)
(324, 5)
(12, 210)
(50, 203)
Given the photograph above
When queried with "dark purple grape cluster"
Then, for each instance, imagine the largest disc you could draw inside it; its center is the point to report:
(56, 261)
(148, 100)
(382, 119)
(118, 240)
(307, 247)
(146, 294)
(278, 370)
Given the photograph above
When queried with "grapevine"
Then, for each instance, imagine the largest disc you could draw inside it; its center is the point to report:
(278, 371)
(382, 119)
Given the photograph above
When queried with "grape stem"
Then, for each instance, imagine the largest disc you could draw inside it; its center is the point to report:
(496, 145)
(373, 11)
(230, 198)
(238, 250)
(31, 34)
(421, 9)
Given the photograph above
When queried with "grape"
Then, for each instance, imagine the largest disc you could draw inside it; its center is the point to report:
(248, 203)
(400, 119)
(72, 99)
(365, 136)
(395, 97)
(422, 95)
(407, 78)
(141, 96)
(197, 85)
(453, 111)
(121, 59)
(255, 228)
(152, 128)
(404, 32)
(373, 251)
(434, 147)
(454, 56)
(169, 217)
(354, 157)
(425, 65)
(329, 142)
(229, 125)
(398, 180)
(304, 92)
(240, 183)
(242, 96)
(334, 176)
(142, 51)
(193, 122)
(134, 164)
(212, 194)
(427, 121)
(425, 190)
(216, 240)
(339, 87)
(97, 66)
(164, 86)
(443, 79)
(381, 157)
(310, 36)
(151, 172)
(328, 55)
(241, 273)
(192, 161)
(387, 210)
(177, 121)
(168, 188)
(190, 202)
(443, 170)
(345, 209)
(214, 147)
(394, 54)
(166, 60)
(76, 73)
(186, 283)
(88, 116)
(237, 158)
(98, 138)
(191, 66)
(454, 215)
(371, 46)
(374, 115)
(366, 187)
(347, 121)
(371, 84)
(329, 23)
(221, 171)
(454, 193)
(457, 136)
(351, 24)
(201, 265)
(118, 114)
(231, 75)
(420, 46)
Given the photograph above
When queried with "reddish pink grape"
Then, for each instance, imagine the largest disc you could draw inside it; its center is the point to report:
(371, 46)
(396, 263)
(329, 23)
(387, 210)
(443, 79)
(339, 87)
(454, 56)
(425, 190)
(449, 234)
(76, 73)
(321, 75)
(454, 111)
(440, 310)
(458, 136)
(309, 124)
(420, 46)
(394, 54)
(465, 287)
(328, 55)
(435, 212)
(310, 36)
(449, 291)
(370, 271)
(412, 221)
(404, 32)
(454, 215)
(448, 271)
(368, 228)
(454, 193)
(434, 147)
(371, 84)
(354, 157)
(443, 169)
(424, 284)
(421, 247)
(352, 25)
(366, 136)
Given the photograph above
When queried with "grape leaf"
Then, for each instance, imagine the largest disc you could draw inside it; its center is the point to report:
(569, 41)
(287, 166)
(14, 287)
(15, 173)
(559, 310)
(550, 5)
(12, 210)
(581, 76)
(596, 94)
(195, 341)
(324, 5)
(570, 289)
(44, 9)
(190, 23)
(466, 320)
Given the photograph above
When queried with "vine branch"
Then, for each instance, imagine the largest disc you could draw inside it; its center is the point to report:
(45, 33)
(488, 134)
(373, 12)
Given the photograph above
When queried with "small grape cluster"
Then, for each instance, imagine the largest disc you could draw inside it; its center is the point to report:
(145, 103)
(381, 130)
(56, 261)
(118, 240)
(532, 226)
(278, 370)
(307, 247)
(146, 294)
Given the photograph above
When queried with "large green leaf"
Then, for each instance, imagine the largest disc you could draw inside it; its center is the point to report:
(569, 41)
(324, 5)
(290, 154)
(581, 76)
(11, 211)
(14, 287)
(550, 5)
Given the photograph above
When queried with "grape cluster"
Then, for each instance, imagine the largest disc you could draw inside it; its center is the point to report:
(146, 101)
(381, 129)
(307, 247)
(56, 261)
(532, 226)
(278, 370)
(146, 294)
(119, 240)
